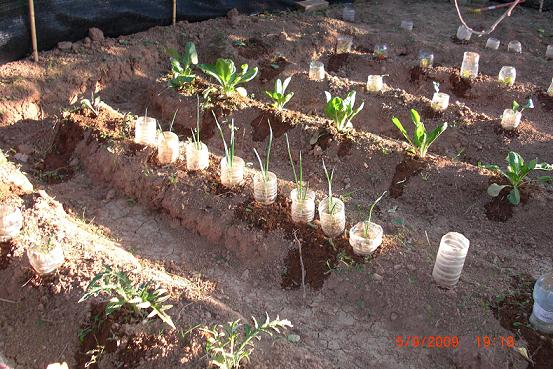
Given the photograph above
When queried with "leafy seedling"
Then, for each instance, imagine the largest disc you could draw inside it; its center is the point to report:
(224, 71)
(229, 345)
(181, 65)
(516, 173)
(265, 166)
(516, 108)
(421, 138)
(93, 104)
(342, 111)
(279, 95)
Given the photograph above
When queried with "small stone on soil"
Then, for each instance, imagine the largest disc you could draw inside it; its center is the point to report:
(378, 277)
(65, 45)
(393, 316)
(96, 34)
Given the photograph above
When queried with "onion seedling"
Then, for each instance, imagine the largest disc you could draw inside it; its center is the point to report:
(342, 111)
(195, 139)
(516, 172)
(421, 138)
(181, 65)
(366, 224)
(265, 168)
(229, 149)
(279, 95)
(329, 178)
(301, 188)
(224, 71)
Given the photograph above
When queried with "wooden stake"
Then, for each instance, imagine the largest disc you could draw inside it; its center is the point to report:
(174, 12)
(33, 29)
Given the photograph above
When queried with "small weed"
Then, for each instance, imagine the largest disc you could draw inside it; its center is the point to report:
(173, 179)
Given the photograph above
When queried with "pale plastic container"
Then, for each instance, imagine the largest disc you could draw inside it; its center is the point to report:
(11, 221)
(168, 149)
(343, 44)
(348, 14)
(507, 75)
(197, 159)
(332, 224)
(469, 67)
(380, 51)
(145, 131)
(549, 52)
(316, 70)
(303, 210)
(515, 47)
(550, 89)
(265, 191)
(463, 33)
(46, 262)
(234, 175)
(510, 119)
(375, 83)
(440, 101)
(493, 43)
(407, 25)
(426, 59)
(362, 245)
(542, 312)
(450, 259)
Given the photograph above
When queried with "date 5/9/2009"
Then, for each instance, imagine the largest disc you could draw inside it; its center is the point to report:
(453, 341)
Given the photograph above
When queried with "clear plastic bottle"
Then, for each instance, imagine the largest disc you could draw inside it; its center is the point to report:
(46, 261)
(375, 83)
(510, 119)
(463, 33)
(380, 51)
(316, 70)
(426, 59)
(515, 47)
(365, 243)
(303, 209)
(11, 221)
(265, 189)
(440, 101)
(343, 44)
(550, 89)
(469, 67)
(407, 25)
(232, 175)
(145, 131)
(542, 313)
(507, 75)
(549, 52)
(196, 159)
(493, 43)
(450, 259)
(168, 149)
(333, 220)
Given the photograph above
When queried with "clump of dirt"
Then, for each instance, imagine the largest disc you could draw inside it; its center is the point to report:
(545, 100)
(319, 254)
(408, 168)
(513, 311)
(417, 74)
(253, 48)
(513, 133)
(460, 86)
(279, 124)
(6, 253)
(337, 62)
(499, 209)
(270, 69)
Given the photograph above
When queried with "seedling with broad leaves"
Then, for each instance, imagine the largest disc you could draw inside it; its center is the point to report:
(301, 187)
(265, 166)
(342, 111)
(121, 293)
(181, 66)
(231, 344)
(224, 71)
(279, 95)
(515, 173)
(517, 108)
(93, 104)
(421, 140)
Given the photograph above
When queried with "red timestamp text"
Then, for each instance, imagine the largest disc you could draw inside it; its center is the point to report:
(495, 341)
(427, 341)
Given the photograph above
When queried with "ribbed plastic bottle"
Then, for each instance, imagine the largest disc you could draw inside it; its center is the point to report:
(542, 313)
(451, 259)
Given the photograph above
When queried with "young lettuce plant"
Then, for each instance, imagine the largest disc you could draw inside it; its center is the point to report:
(517, 108)
(342, 111)
(265, 167)
(421, 138)
(329, 179)
(366, 225)
(224, 71)
(279, 95)
(123, 294)
(229, 149)
(93, 104)
(229, 345)
(181, 65)
(301, 187)
(516, 172)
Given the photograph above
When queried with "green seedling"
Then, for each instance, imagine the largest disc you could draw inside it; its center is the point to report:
(301, 187)
(436, 86)
(93, 104)
(516, 173)
(195, 139)
(516, 108)
(421, 138)
(368, 221)
(279, 95)
(265, 167)
(229, 149)
(229, 345)
(121, 294)
(329, 179)
(224, 71)
(181, 65)
(342, 111)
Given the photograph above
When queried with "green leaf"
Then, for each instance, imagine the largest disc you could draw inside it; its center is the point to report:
(494, 190)
(514, 196)
(415, 116)
(190, 54)
(399, 126)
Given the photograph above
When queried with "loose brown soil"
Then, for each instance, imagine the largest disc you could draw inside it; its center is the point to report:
(406, 169)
